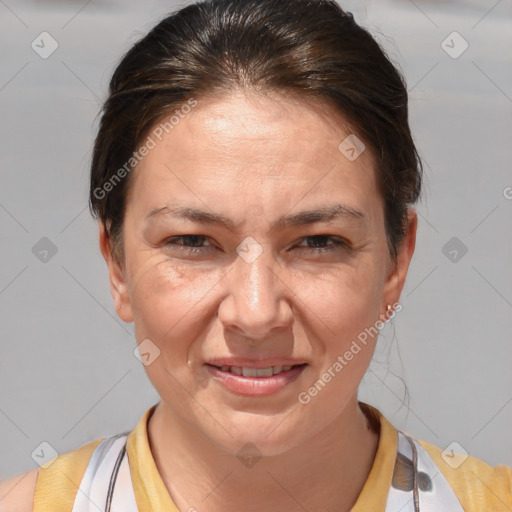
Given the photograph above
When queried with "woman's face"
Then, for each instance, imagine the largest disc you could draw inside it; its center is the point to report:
(216, 299)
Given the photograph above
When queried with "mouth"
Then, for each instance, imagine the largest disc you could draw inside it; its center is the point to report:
(246, 371)
(253, 381)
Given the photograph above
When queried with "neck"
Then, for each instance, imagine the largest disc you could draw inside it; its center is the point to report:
(327, 474)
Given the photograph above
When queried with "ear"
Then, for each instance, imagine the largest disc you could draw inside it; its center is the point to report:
(118, 287)
(398, 272)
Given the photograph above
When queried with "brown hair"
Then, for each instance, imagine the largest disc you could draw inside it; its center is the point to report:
(309, 48)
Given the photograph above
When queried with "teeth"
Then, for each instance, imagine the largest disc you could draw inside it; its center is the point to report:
(236, 369)
(249, 372)
(256, 372)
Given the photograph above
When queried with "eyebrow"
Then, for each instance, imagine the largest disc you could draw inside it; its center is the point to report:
(301, 218)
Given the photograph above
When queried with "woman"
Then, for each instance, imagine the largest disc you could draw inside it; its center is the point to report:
(254, 178)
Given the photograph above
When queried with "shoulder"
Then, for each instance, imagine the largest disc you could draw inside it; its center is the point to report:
(17, 493)
(477, 484)
(58, 482)
(52, 487)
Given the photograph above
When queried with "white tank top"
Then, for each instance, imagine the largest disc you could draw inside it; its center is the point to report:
(107, 485)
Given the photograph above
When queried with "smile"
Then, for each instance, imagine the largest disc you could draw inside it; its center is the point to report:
(250, 381)
(255, 372)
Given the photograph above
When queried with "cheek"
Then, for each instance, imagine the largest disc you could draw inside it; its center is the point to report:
(348, 304)
(166, 299)
(165, 307)
(345, 297)
(344, 355)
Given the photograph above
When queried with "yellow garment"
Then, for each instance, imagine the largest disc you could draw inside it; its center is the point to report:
(478, 486)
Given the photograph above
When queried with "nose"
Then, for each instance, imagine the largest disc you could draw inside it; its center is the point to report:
(258, 301)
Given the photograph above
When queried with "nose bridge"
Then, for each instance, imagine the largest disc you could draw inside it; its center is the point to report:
(259, 281)
(254, 280)
(254, 304)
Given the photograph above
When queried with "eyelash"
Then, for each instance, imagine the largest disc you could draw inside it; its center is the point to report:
(337, 244)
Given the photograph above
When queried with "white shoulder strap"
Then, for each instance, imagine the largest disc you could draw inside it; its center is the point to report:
(101, 475)
(423, 488)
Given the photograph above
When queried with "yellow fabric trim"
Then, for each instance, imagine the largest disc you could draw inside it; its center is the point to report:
(150, 491)
(57, 485)
(374, 493)
(477, 485)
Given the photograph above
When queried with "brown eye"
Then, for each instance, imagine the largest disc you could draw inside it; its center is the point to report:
(190, 243)
(336, 243)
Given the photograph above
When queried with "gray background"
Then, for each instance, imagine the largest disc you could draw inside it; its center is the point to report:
(67, 372)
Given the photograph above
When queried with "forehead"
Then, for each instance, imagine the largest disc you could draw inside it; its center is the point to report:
(265, 129)
(244, 147)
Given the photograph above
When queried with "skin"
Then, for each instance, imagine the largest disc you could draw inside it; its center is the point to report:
(255, 158)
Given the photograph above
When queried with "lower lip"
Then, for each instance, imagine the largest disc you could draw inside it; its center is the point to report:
(256, 386)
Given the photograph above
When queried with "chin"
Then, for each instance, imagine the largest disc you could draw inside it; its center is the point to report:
(265, 434)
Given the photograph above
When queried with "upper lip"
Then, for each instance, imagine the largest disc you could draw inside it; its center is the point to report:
(253, 363)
